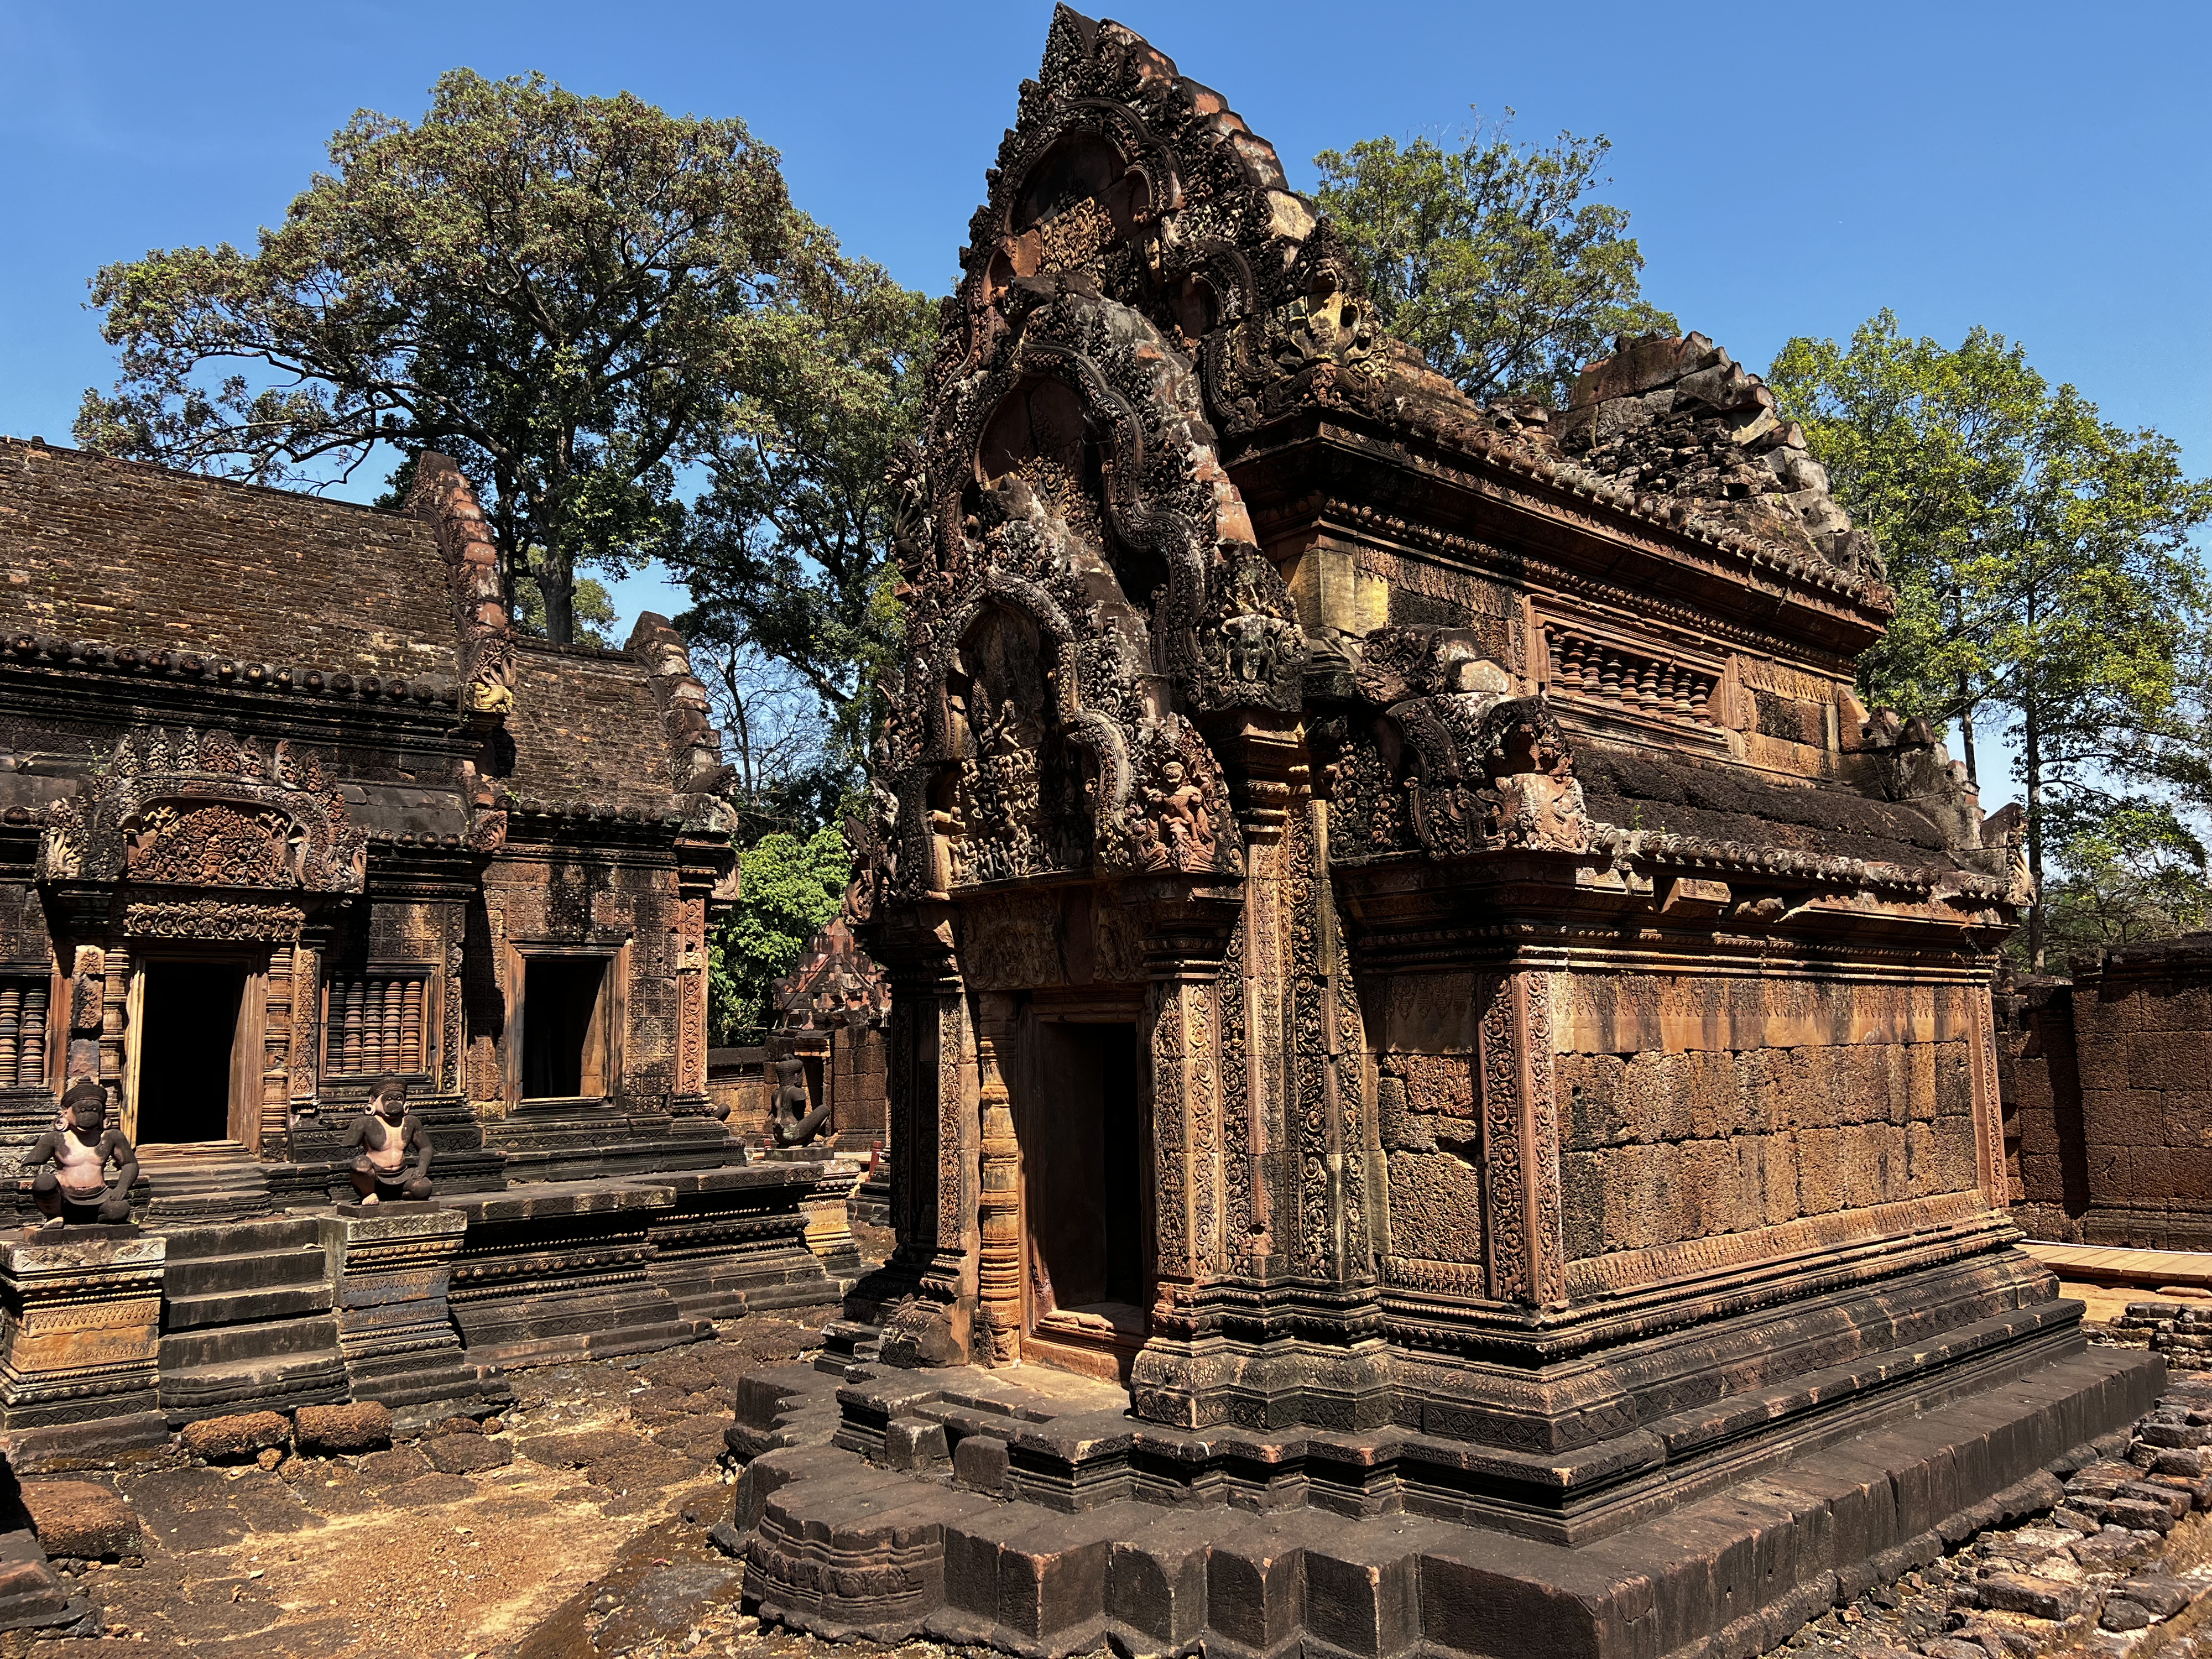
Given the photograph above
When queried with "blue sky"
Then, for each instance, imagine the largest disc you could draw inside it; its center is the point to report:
(1791, 170)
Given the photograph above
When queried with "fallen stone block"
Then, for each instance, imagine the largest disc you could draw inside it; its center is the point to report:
(2124, 1614)
(394, 1467)
(221, 1439)
(342, 1430)
(2164, 1597)
(2038, 1598)
(2137, 1515)
(81, 1519)
(465, 1454)
(2155, 1433)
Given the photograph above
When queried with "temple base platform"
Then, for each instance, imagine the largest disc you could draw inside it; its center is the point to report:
(1026, 1510)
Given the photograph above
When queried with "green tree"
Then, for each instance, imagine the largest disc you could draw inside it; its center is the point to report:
(553, 289)
(788, 890)
(592, 609)
(2129, 870)
(1490, 259)
(787, 552)
(2042, 555)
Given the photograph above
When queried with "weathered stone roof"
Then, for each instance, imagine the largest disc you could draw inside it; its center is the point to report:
(123, 554)
(118, 568)
(1725, 802)
(586, 729)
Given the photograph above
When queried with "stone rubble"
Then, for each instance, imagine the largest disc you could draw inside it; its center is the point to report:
(2122, 1567)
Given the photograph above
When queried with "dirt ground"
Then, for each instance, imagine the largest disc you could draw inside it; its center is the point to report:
(575, 1527)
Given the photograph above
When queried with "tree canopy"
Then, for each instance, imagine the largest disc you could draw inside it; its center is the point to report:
(2043, 560)
(555, 290)
(788, 551)
(1490, 258)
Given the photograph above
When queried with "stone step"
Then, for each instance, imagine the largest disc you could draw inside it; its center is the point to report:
(238, 1238)
(242, 1308)
(275, 1383)
(232, 1344)
(261, 1270)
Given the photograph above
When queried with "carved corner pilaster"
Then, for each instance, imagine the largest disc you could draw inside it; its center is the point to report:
(1523, 1242)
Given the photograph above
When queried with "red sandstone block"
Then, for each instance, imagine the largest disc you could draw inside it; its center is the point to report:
(241, 1435)
(79, 1518)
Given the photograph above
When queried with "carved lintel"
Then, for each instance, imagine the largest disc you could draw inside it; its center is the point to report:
(213, 919)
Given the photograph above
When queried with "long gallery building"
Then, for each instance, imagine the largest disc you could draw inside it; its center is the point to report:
(286, 805)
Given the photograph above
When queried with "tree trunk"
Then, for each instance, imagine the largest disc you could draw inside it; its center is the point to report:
(2032, 767)
(557, 586)
(1967, 733)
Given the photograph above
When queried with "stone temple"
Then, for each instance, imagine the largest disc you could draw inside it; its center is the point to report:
(287, 805)
(1442, 1065)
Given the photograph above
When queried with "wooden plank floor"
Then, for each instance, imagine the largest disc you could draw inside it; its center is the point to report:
(2118, 1267)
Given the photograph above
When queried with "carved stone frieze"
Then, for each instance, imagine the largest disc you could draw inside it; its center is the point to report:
(205, 809)
(213, 919)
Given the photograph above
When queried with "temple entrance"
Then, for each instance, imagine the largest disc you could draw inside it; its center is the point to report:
(564, 1028)
(1086, 1195)
(188, 1061)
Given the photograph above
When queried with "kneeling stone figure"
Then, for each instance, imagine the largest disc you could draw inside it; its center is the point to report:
(388, 1134)
(76, 1189)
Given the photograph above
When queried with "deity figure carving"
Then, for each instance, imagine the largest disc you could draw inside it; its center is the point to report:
(1186, 823)
(76, 1189)
(388, 1134)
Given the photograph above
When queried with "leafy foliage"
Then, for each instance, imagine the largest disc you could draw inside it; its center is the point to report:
(1489, 258)
(2043, 558)
(554, 289)
(592, 609)
(788, 551)
(2132, 870)
(789, 889)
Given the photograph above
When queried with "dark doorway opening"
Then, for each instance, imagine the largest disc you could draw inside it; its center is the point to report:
(189, 1016)
(1083, 1160)
(563, 1027)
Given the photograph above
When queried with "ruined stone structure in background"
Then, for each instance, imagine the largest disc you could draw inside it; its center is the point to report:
(1419, 993)
(286, 804)
(830, 1011)
(2109, 1096)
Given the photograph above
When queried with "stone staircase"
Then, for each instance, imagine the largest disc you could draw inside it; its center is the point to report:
(246, 1320)
(203, 1181)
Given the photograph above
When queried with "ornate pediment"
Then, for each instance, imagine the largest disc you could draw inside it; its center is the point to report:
(194, 809)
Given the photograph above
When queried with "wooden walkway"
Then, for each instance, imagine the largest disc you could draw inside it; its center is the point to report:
(2099, 1264)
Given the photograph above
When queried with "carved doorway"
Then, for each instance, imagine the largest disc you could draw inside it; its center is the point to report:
(195, 1045)
(1086, 1195)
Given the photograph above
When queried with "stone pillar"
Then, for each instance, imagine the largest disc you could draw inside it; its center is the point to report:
(80, 1325)
(998, 1186)
(1522, 1241)
(931, 1280)
(1185, 945)
(279, 1014)
(392, 1266)
(307, 1024)
(691, 971)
